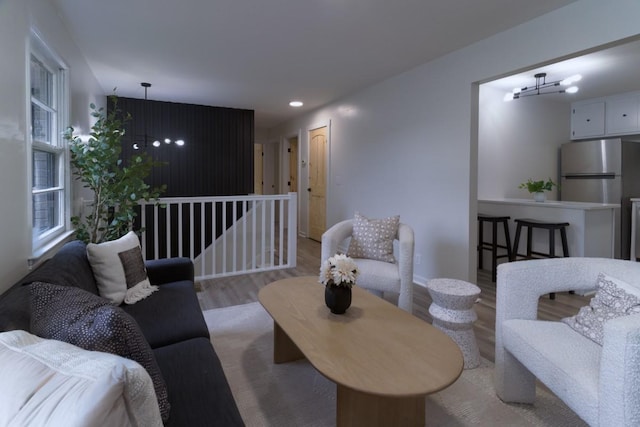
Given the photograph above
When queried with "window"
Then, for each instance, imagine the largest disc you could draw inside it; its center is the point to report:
(49, 164)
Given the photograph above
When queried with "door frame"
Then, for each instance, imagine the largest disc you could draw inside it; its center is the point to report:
(285, 171)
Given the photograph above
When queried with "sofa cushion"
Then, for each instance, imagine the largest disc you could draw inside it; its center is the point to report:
(613, 298)
(68, 267)
(564, 360)
(49, 382)
(378, 275)
(15, 308)
(119, 269)
(91, 322)
(198, 389)
(173, 314)
(373, 238)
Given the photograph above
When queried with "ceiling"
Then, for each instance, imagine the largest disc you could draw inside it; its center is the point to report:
(259, 55)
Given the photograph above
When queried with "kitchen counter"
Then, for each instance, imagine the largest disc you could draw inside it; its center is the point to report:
(553, 204)
(591, 233)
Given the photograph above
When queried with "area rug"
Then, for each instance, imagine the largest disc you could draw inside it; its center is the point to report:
(295, 395)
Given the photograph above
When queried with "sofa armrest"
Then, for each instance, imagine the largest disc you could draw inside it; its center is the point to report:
(332, 238)
(520, 284)
(406, 246)
(619, 400)
(167, 270)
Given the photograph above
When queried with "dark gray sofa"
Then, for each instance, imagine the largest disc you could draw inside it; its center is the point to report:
(171, 321)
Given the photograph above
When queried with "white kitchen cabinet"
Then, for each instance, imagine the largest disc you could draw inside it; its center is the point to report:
(587, 119)
(622, 114)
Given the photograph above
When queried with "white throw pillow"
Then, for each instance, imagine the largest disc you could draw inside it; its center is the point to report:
(48, 382)
(614, 298)
(119, 269)
(373, 238)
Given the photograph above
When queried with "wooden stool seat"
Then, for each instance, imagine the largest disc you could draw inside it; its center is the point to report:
(493, 245)
(530, 224)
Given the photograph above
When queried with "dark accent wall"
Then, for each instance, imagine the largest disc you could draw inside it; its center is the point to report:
(217, 158)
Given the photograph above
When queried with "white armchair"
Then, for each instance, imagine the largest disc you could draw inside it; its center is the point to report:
(599, 383)
(379, 276)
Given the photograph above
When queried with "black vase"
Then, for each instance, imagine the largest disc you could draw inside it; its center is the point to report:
(337, 298)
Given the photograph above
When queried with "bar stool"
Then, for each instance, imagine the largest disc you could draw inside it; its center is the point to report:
(493, 244)
(530, 224)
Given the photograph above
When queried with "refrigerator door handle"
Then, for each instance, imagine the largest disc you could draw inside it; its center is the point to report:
(590, 176)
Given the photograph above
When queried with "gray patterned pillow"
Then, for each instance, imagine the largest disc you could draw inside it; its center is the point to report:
(614, 298)
(91, 322)
(373, 238)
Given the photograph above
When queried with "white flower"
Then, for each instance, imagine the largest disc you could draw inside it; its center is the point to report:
(339, 270)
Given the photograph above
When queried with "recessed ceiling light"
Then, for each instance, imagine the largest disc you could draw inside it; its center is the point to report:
(296, 103)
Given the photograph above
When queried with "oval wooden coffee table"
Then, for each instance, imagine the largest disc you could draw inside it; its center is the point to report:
(383, 360)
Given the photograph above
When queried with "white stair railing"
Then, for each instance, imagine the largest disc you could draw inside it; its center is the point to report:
(224, 236)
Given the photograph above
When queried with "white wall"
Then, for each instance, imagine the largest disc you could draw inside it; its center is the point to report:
(408, 145)
(17, 17)
(519, 140)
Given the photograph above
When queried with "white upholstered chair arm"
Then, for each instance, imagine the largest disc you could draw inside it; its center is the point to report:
(619, 391)
(520, 284)
(335, 235)
(406, 245)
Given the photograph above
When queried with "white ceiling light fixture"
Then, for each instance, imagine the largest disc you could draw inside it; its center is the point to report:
(296, 104)
(146, 137)
(542, 87)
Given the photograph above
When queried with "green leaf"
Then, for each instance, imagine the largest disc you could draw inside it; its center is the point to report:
(116, 182)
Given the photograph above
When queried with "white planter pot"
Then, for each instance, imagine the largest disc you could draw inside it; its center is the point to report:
(540, 196)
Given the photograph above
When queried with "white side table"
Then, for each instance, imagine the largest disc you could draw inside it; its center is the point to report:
(453, 313)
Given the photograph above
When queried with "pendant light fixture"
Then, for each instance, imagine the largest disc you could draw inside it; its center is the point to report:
(156, 142)
(542, 87)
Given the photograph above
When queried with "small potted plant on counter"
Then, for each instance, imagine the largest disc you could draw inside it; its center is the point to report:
(538, 188)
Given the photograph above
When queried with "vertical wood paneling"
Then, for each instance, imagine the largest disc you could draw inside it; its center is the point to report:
(217, 158)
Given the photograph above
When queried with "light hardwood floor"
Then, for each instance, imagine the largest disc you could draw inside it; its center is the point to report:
(236, 290)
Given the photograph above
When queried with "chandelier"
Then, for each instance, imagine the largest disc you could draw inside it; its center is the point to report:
(542, 87)
(146, 138)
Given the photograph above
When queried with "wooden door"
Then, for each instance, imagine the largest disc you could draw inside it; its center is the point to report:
(317, 183)
(293, 164)
(257, 168)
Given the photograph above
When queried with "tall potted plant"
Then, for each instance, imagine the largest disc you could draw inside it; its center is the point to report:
(117, 184)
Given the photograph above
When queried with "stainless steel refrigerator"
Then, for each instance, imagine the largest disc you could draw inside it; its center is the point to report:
(603, 171)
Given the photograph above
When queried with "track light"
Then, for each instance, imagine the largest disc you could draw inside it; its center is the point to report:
(542, 87)
(156, 143)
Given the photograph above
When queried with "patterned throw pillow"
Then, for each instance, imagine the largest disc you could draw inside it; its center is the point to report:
(119, 269)
(373, 238)
(614, 298)
(90, 322)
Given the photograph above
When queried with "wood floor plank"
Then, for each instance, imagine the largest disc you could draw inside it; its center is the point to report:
(228, 291)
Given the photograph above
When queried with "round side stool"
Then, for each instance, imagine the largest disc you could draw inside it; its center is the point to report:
(452, 312)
